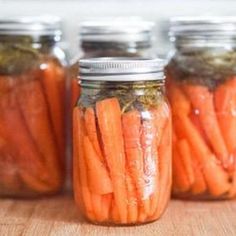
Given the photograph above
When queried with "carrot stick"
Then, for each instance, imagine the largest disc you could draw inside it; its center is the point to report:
(109, 120)
(79, 133)
(131, 122)
(96, 201)
(181, 182)
(90, 122)
(161, 114)
(76, 150)
(98, 177)
(179, 102)
(225, 105)
(199, 186)
(202, 101)
(52, 89)
(115, 212)
(194, 117)
(216, 178)
(132, 200)
(106, 206)
(185, 156)
(34, 109)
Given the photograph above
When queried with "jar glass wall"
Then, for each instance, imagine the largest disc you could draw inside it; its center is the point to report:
(201, 79)
(32, 100)
(122, 142)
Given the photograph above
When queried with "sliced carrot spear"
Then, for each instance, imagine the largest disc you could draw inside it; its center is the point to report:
(106, 206)
(202, 100)
(52, 90)
(132, 200)
(79, 133)
(179, 102)
(76, 150)
(185, 156)
(160, 114)
(216, 178)
(131, 122)
(90, 122)
(98, 177)
(181, 181)
(109, 121)
(199, 186)
(225, 105)
(34, 109)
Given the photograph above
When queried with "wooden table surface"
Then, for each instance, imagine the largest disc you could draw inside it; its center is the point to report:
(58, 216)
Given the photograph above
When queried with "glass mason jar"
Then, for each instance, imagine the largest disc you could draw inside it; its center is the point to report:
(119, 37)
(122, 141)
(201, 85)
(32, 97)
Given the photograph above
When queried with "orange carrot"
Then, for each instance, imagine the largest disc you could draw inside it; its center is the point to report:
(202, 100)
(34, 109)
(106, 206)
(52, 87)
(194, 117)
(225, 105)
(98, 177)
(96, 201)
(109, 120)
(76, 149)
(132, 200)
(199, 186)
(185, 156)
(179, 102)
(215, 176)
(181, 182)
(131, 122)
(161, 113)
(115, 212)
(90, 122)
(79, 132)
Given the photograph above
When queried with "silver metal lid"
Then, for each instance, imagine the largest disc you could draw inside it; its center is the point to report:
(196, 32)
(33, 25)
(194, 26)
(121, 69)
(117, 30)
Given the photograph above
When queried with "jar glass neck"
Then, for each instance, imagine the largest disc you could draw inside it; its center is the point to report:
(47, 40)
(121, 85)
(103, 45)
(197, 43)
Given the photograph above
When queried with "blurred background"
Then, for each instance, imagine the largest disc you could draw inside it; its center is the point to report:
(74, 11)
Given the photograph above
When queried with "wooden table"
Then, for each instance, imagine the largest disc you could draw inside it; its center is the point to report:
(58, 216)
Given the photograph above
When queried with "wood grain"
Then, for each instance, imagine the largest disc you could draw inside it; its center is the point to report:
(58, 216)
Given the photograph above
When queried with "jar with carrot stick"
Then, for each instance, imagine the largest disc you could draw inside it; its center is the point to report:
(32, 98)
(201, 86)
(112, 37)
(122, 141)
